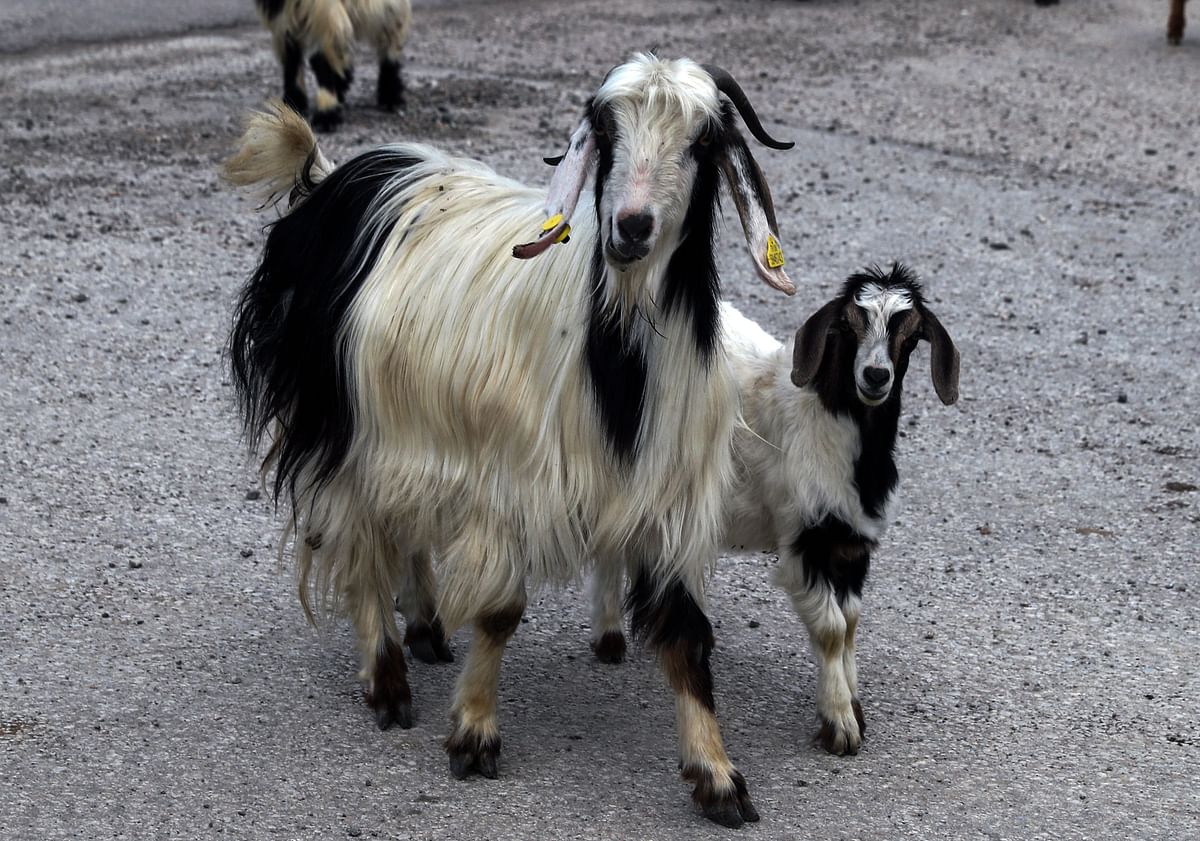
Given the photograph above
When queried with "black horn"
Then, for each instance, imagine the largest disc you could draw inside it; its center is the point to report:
(727, 85)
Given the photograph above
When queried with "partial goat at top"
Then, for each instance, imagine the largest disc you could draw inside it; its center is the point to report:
(431, 398)
(323, 32)
(815, 471)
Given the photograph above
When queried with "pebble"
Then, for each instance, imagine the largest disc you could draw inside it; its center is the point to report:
(253, 494)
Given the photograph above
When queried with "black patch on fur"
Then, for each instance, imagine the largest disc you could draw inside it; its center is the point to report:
(833, 553)
(328, 78)
(673, 622)
(270, 8)
(293, 61)
(616, 359)
(287, 362)
(617, 364)
(692, 283)
(389, 94)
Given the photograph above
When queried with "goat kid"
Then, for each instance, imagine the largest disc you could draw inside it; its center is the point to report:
(815, 473)
(323, 32)
(431, 397)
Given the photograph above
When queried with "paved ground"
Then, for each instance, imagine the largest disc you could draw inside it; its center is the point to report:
(1030, 655)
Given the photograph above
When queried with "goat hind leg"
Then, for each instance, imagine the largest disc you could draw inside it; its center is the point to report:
(673, 622)
(608, 637)
(374, 563)
(417, 600)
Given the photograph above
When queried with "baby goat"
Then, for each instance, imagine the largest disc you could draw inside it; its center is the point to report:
(814, 466)
(323, 31)
(431, 397)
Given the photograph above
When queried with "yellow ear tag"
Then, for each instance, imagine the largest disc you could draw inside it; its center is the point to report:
(552, 223)
(774, 253)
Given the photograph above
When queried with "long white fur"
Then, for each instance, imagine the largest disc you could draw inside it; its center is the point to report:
(478, 438)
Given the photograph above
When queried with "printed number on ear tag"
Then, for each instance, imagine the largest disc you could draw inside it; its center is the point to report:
(774, 253)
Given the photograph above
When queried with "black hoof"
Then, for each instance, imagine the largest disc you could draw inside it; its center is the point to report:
(427, 642)
(858, 716)
(327, 120)
(728, 807)
(389, 694)
(470, 752)
(828, 738)
(392, 105)
(400, 714)
(610, 648)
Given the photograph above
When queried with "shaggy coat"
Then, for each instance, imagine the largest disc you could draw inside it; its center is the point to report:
(432, 397)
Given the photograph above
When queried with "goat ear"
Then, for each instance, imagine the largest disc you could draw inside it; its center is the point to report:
(753, 200)
(810, 343)
(943, 359)
(570, 174)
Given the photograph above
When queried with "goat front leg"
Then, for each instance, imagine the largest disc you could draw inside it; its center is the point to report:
(474, 742)
(417, 600)
(851, 609)
(808, 579)
(671, 620)
(608, 637)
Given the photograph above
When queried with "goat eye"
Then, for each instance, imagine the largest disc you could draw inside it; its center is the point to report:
(705, 137)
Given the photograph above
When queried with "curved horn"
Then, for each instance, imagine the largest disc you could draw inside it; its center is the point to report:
(727, 85)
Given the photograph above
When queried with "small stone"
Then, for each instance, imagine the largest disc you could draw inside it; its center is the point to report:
(1180, 487)
(135, 564)
(253, 494)
(247, 553)
(999, 246)
(354, 832)
(1082, 338)
(1122, 397)
(79, 298)
(753, 623)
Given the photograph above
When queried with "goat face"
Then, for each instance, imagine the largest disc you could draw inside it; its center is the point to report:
(659, 136)
(857, 346)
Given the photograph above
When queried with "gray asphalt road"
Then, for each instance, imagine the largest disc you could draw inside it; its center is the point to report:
(1029, 652)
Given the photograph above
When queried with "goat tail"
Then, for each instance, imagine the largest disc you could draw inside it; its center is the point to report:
(278, 155)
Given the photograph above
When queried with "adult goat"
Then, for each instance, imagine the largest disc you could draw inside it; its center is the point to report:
(433, 398)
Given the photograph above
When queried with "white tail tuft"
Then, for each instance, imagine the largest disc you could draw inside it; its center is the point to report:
(278, 155)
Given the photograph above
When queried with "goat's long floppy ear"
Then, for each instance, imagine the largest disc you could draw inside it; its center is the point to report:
(753, 200)
(810, 343)
(943, 359)
(570, 174)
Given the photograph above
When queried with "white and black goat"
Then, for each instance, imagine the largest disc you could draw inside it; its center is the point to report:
(323, 32)
(814, 466)
(434, 399)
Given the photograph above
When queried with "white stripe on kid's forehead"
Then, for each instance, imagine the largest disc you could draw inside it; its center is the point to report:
(882, 302)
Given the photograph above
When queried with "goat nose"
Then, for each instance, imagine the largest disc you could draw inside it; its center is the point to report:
(635, 227)
(876, 377)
